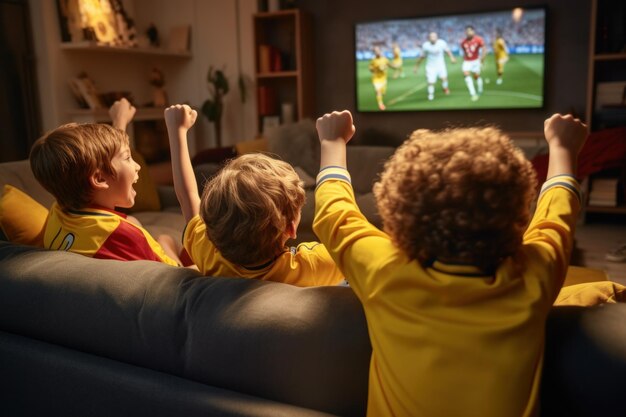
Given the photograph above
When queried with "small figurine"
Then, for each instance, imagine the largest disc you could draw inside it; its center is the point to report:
(159, 96)
(153, 35)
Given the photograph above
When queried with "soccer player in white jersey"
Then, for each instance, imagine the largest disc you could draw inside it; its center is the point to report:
(432, 52)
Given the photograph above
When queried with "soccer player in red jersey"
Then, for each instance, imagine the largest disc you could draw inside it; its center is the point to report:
(474, 53)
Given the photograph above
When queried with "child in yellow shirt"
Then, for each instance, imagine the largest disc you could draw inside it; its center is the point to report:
(457, 287)
(247, 213)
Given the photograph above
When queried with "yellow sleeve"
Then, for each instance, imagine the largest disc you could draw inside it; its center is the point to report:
(551, 230)
(200, 249)
(358, 248)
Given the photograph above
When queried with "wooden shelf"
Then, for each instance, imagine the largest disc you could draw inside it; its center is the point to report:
(277, 74)
(601, 209)
(93, 46)
(278, 13)
(102, 115)
(610, 57)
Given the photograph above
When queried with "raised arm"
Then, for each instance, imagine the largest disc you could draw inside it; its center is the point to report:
(565, 136)
(452, 58)
(335, 130)
(122, 113)
(178, 119)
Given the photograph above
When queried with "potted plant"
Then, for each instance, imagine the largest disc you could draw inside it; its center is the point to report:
(213, 107)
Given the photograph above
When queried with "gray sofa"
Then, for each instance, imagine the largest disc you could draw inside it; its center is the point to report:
(88, 337)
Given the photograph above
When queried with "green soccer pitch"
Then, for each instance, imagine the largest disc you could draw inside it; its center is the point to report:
(522, 86)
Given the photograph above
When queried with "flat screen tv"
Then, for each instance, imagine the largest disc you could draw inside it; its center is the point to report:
(491, 60)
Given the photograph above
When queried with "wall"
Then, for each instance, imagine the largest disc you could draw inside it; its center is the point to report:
(221, 35)
(566, 64)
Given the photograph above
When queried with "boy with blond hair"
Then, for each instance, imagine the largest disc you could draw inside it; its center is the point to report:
(457, 288)
(247, 213)
(88, 168)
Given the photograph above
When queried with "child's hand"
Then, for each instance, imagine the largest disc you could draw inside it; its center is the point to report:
(565, 132)
(121, 113)
(180, 116)
(335, 126)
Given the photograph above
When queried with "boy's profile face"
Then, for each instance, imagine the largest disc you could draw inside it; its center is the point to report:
(120, 192)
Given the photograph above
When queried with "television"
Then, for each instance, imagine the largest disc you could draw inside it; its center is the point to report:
(492, 60)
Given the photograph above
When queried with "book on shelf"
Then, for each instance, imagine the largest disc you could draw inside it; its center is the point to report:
(270, 59)
(602, 203)
(267, 101)
(265, 58)
(604, 192)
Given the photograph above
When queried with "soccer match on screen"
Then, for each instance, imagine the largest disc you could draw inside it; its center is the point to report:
(471, 61)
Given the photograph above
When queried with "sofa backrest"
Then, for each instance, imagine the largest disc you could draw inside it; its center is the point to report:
(298, 144)
(303, 346)
(19, 174)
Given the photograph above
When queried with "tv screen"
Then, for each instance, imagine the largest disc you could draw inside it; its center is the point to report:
(489, 60)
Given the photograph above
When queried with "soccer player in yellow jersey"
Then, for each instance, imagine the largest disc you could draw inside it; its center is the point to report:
(378, 67)
(396, 62)
(501, 54)
(248, 211)
(458, 286)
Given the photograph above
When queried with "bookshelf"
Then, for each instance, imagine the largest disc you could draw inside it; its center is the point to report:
(283, 51)
(606, 84)
(606, 97)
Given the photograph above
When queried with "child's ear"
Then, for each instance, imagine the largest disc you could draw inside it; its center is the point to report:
(292, 229)
(98, 181)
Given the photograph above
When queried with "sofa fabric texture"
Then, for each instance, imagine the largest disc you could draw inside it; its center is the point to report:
(306, 347)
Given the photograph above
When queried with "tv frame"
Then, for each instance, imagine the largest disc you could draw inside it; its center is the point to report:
(546, 52)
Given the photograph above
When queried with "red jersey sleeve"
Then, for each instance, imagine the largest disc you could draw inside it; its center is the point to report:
(126, 243)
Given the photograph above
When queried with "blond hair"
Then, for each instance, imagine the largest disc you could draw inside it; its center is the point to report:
(64, 159)
(461, 195)
(248, 206)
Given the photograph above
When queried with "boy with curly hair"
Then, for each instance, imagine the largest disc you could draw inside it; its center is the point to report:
(457, 288)
(247, 213)
(89, 170)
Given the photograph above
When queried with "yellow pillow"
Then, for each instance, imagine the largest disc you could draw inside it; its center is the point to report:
(591, 294)
(147, 198)
(23, 220)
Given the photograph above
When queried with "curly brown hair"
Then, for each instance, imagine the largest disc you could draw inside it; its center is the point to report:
(248, 205)
(64, 159)
(458, 195)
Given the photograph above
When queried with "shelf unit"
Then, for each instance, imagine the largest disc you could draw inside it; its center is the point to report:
(87, 46)
(289, 34)
(147, 132)
(607, 60)
(102, 115)
(607, 63)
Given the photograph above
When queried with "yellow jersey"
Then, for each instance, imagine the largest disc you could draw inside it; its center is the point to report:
(450, 340)
(309, 264)
(101, 233)
(397, 57)
(499, 49)
(378, 67)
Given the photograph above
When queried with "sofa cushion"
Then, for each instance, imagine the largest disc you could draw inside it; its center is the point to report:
(147, 198)
(365, 164)
(297, 144)
(307, 347)
(22, 219)
(18, 174)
